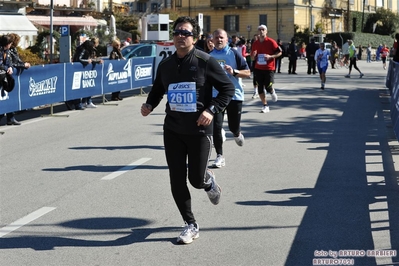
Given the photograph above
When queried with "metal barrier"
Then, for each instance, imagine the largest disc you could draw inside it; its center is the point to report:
(49, 84)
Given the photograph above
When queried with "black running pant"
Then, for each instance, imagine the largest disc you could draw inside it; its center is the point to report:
(233, 118)
(353, 63)
(186, 152)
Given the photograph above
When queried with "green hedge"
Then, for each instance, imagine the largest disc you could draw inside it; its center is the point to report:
(360, 38)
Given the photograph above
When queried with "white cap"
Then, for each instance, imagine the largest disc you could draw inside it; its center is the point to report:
(262, 27)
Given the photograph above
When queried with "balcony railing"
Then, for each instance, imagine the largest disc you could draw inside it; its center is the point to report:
(229, 3)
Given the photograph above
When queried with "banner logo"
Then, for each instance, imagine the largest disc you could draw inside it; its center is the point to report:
(86, 78)
(46, 86)
(143, 72)
(119, 77)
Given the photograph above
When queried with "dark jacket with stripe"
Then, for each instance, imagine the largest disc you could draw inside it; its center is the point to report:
(205, 71)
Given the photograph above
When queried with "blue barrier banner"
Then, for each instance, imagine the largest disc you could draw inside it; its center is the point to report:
(390, 78)
(9, 101)
(83, 81)
(117, 76)
(393, 82)
(143, 71)
(41, 85)
(48, 84)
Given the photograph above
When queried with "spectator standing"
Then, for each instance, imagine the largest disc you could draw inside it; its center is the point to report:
(352, 59)
(116, 55)
(322, 56)
(279, 59)
(127, 42)
(19, 65)
(360, 52)
(264, 52)
(302, 51)
(378, 53)
(334, 54)
(235, 67)
(384, 55)
(311, 49)
(188, 127)
(89, 56)
(292, 57)
(85, 54)
(6, 43)
(16, 60)
(368, 51)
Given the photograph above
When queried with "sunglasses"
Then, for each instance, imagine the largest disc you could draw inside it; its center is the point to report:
(184, 33)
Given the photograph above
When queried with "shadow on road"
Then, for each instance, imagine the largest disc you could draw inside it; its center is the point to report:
(338, 207)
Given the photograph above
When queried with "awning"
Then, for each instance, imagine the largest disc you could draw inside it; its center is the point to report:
(59, 21)
(18, 24)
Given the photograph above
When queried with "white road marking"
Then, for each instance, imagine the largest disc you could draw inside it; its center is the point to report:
(125, 169)
(25, 220)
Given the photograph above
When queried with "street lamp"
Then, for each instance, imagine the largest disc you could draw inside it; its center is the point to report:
(51, 30)
(249, 27)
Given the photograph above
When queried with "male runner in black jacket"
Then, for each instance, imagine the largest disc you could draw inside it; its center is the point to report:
(187, 77)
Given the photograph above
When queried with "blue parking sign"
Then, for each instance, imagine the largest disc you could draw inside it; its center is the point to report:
(64, 30)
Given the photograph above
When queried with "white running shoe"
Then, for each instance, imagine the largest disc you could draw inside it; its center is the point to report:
(91, 105)
(215, 191)
(347, 76)
(361, 75)
(219, 161)
(265, 109)
(240, 139)
(274, 96)
(190, 232)
(255, 95)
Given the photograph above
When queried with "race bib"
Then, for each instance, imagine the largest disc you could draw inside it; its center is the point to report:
(182, 97)
(262, 59)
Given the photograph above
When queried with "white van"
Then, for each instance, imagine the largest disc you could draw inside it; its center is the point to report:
(327, 46)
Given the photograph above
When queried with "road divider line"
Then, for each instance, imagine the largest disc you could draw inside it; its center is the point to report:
(123, 170)
(25, 220)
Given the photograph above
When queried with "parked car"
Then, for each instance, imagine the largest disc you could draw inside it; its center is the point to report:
(138, 50)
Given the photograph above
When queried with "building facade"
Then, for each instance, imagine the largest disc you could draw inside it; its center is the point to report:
(241, 17)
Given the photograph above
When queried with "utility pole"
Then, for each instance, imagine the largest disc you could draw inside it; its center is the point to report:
(277, 27)
(51, 31)
(347, 16)
(364, 2)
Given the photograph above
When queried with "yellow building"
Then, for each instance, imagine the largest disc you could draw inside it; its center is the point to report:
(242, 17)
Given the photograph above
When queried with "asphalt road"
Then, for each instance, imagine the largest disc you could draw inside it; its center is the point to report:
(316, 179)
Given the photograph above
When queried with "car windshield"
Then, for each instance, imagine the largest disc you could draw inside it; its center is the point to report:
(127, 49)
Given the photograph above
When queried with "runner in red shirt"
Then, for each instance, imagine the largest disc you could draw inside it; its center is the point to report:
(384, 55)
(264, 51)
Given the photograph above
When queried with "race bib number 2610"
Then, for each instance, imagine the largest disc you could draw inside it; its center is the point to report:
(182, 97)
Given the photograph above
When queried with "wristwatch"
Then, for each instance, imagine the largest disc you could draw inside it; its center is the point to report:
(212, 109)
(236, 72)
